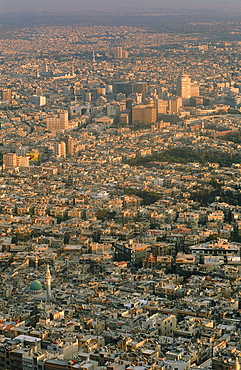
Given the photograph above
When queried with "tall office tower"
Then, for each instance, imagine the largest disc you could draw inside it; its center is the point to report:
(64, 120)
(48, 285)
(118, 52)
(6, 94)
(184, 86)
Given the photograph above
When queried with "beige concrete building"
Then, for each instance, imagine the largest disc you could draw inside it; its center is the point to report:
(6, 94)
(118, 52)
(144, 113)
(59, 123)
(12, 160)
(174, 103)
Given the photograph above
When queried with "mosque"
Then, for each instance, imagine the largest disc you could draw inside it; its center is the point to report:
(36, 288)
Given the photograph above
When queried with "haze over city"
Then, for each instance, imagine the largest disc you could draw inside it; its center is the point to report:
(81, 5)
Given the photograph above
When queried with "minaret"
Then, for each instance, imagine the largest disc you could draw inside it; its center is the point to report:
(93, 56)
(36, 262)
(236, 365)
(48, 285)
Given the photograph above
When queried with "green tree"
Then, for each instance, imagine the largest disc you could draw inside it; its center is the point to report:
(101, 214)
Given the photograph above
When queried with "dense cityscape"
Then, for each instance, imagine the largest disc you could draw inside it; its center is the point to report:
(120, 193)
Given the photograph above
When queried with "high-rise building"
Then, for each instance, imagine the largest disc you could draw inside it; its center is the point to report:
(128, 88)
(195, 89)
(118, 52)
(144, 113)
(64, 120)
(123, 87)
(22, 150)
(80, 110)
(23, 161)
(38, 100)
(113, 110)
(184, 86)
(6, 94)
(88, 96)
(129, 103)
(70, 145)
(12, 160)
(60, 149)
(125, 118)
(174, 103)
(125, 54)
(161, 105)
(52, 123)
(60, 123)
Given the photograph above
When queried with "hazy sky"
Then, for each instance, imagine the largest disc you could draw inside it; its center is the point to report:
(8, 5)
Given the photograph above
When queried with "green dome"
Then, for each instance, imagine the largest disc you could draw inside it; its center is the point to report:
(35, 285)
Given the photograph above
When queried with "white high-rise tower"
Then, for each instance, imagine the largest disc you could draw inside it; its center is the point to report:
(184, 86)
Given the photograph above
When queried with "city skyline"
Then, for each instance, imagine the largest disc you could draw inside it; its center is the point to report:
(120, 190)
